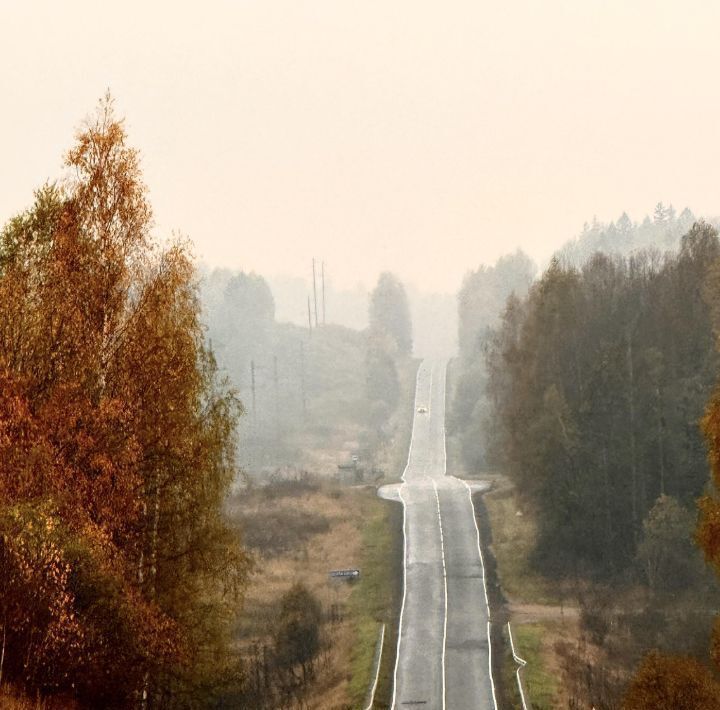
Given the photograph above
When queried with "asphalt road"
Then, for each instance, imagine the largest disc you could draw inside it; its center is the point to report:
(443, 658)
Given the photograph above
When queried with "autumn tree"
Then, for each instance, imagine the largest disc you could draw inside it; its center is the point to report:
(672, 683)
(116, 446)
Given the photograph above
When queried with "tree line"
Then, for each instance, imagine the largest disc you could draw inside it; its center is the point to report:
(481, 301)
(596, 393)
(663, 230)
(597, 381)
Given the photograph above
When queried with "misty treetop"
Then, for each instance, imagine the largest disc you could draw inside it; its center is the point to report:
(389, 313)
(480, 305)
(483, 294)
(663, 231)
(389, 343)
(239, 310)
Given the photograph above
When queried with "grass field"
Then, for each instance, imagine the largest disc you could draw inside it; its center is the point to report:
(350, 528)
(299, 531)
(530, 644)
(537, 606)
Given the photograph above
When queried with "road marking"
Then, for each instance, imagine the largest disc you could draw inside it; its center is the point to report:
(442, 557)
(443, 423)
(442, 539)
(402, 500)
(477, 534)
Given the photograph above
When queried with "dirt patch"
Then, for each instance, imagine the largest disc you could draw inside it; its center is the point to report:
(531, 613)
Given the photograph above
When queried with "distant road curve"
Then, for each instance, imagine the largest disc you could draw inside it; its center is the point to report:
(443, 654)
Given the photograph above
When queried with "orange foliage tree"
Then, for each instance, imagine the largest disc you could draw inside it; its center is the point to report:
(672, 683)
(116, 446)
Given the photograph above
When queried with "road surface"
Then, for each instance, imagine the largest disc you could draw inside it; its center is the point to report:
(443, 656)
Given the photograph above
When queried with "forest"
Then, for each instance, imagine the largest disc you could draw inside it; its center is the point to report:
(595, 393)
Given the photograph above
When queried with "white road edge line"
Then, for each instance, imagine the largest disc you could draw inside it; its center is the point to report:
(442, 538)
(377, 670)
(402, 500)
(521, 664)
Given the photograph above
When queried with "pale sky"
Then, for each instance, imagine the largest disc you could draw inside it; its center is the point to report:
(419, 137)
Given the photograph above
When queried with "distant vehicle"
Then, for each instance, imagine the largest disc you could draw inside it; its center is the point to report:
(422, 410)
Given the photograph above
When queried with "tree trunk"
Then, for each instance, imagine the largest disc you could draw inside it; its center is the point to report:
(2, 652)
(661, 447)
(633, 444)
(153, 574)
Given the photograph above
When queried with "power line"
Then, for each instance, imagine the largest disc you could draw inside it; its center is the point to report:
(323, 291)
(315, 293)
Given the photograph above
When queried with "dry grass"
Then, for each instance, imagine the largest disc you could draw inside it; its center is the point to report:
(10, 699)
(338, 539)
(298, 533)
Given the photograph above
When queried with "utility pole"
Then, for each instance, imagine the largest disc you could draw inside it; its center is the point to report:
(309, 318)
(252, 442)
(277, 395)
(315, 293)
(323, 290)
(252, 384)
(302, 376)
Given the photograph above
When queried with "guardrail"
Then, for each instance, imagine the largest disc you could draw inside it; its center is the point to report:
(521, 664)
(378, 659)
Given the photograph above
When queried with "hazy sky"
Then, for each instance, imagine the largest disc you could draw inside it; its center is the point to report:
(420, 137)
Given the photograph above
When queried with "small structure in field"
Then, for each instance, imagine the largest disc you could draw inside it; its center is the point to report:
(350, 473)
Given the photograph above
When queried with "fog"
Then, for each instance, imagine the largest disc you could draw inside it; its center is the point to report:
(398, 136)
(359, 354)
(434, 315)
